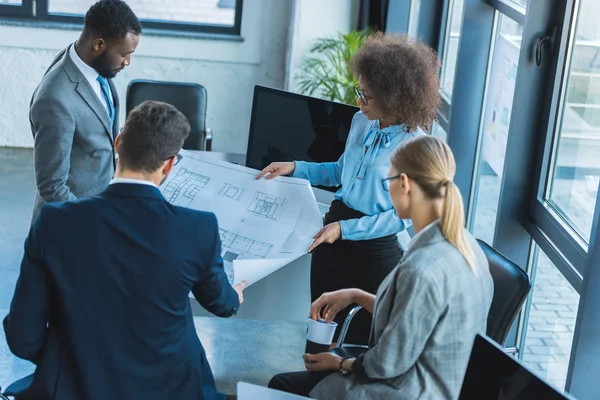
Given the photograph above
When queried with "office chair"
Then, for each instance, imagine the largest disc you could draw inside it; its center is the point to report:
(189, 98)
(511, 287)
(16, 388)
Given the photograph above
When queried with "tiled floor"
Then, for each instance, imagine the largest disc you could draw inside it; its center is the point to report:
(16, 200)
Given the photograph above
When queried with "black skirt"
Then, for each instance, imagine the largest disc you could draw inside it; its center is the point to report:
(362, 264)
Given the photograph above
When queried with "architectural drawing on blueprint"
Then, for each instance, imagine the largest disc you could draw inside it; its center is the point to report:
(183, 188)
(232, 191)
(239, 247)
(267, 206)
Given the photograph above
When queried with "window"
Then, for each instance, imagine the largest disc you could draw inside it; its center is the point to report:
(438, 131)
(551, 323)
(451, 41)
(521, 2)
(208, 16)
(496, 121)
(573, 183)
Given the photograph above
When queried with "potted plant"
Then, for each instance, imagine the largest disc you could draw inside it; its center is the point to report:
(326, 71)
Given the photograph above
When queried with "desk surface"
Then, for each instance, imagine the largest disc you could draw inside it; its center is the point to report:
(235, 158)
(249, 350)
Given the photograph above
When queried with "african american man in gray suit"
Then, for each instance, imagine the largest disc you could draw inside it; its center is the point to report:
(74, 110)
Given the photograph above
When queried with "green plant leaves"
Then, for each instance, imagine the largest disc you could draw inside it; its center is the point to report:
(325, 73)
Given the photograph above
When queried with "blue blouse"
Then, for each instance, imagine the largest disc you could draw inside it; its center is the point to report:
(360, 170)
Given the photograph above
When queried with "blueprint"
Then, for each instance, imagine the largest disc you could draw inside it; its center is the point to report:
(274, 220)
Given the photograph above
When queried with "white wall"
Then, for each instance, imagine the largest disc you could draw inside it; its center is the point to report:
(313, 19)
(229, 70)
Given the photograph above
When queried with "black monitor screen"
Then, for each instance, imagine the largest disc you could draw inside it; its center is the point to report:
(494, 375)
(292, 127)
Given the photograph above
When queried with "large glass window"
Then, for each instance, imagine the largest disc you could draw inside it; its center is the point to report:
(198, 12)
(496, 121)
(211, 16)
(438, 131)
(552, 315)
(451, 42)
(573, 183)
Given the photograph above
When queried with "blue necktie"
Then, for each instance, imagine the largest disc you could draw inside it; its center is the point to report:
(106, 92)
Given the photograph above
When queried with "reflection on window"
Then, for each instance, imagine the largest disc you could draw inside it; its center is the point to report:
(551, 323)
(451, 41)
(521, 2)
(573, 185)
(11, 2)
(217, 12)
(438, 131)
(496, 121)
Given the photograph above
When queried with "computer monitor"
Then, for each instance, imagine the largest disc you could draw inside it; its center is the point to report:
(493, 374)
(291, 127)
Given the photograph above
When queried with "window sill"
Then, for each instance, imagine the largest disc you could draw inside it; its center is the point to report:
(66, 26)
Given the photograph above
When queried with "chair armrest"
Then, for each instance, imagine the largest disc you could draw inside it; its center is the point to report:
(208, 139)
(346, 325)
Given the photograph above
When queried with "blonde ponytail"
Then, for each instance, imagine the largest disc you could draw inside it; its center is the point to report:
(429, 162)
(453, 220)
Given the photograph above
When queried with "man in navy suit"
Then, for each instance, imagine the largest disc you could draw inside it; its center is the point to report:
(101, 304)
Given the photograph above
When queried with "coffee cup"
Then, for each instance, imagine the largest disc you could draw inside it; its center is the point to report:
(319, 336)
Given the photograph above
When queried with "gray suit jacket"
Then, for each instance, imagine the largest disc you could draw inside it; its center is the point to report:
(427, 312)
(73, 137)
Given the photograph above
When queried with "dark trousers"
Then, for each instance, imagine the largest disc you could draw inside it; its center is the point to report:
(300, 383)
(361, 264)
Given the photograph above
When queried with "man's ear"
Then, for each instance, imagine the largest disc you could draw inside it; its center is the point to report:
(117, 143)
(99, 44)
(168, 165)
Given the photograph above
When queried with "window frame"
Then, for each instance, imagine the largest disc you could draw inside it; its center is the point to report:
(37, 11)
(17, 10)
(562, 243)
(523, 222)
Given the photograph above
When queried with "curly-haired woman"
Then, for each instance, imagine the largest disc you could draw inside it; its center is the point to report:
(398, 94)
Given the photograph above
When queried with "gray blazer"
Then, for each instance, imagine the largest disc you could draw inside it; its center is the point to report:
(73, 137)
(427, 312)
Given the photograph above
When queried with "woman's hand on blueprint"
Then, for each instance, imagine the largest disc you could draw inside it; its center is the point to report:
(276, 169)
(329, 234)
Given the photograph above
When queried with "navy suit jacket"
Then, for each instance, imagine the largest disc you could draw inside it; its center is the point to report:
(101, 304)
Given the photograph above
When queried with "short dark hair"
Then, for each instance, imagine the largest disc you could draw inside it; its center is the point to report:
(111, 19)
(153, 133)
(402, 74)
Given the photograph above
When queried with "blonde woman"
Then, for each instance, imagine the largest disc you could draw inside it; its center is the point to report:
(426, 311)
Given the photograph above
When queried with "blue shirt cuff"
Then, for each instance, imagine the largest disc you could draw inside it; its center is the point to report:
(301, 170)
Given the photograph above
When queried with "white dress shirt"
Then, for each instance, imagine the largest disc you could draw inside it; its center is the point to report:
(130, 180)
(91, 75)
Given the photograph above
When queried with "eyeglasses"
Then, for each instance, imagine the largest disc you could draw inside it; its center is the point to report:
(386, 182)
(361, 95)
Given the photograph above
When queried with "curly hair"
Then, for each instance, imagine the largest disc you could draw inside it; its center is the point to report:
(402, 74)
(111, 19)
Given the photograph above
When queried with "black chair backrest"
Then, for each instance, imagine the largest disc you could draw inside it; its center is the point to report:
(511, 286)
(189, 98)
